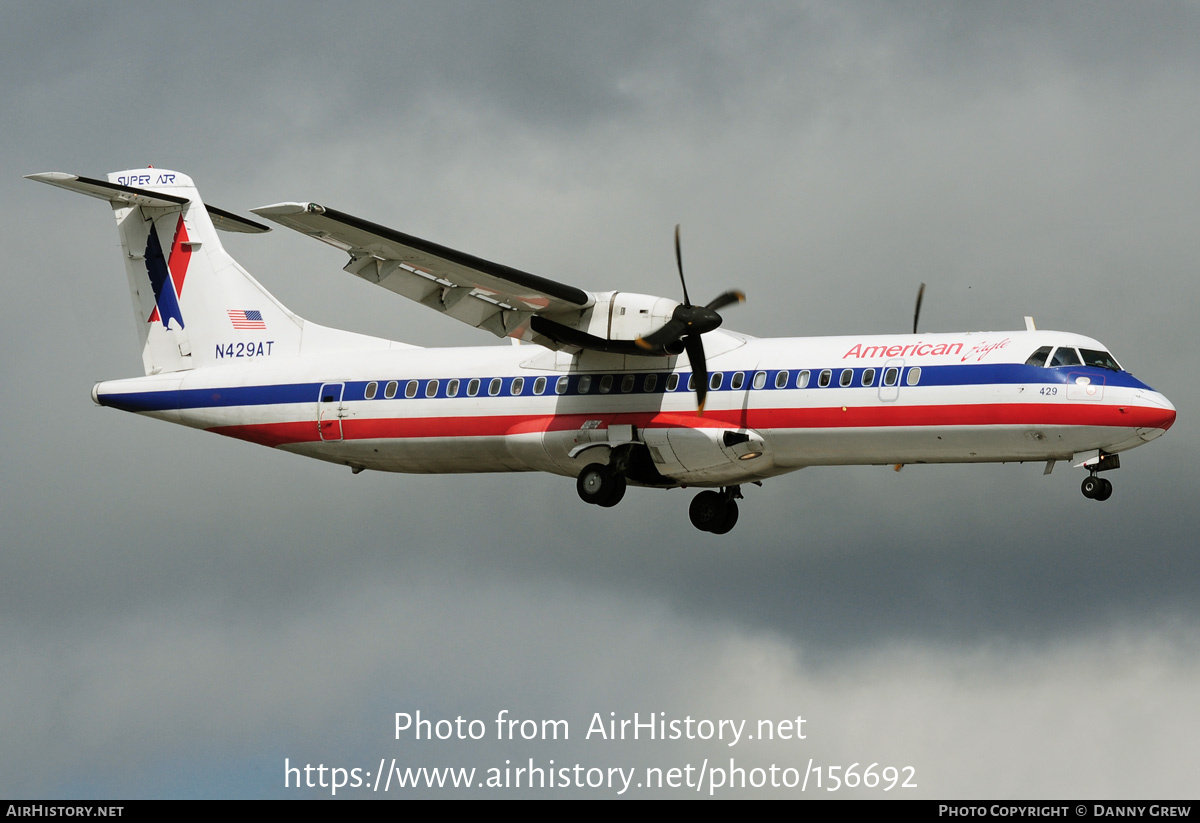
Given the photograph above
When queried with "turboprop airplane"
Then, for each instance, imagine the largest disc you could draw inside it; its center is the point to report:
(617, 388)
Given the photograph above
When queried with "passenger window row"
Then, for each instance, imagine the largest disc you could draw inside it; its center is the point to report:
(646, 383)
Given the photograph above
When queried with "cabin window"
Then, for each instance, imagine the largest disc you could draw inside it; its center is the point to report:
(1038, 358)
(585, 384)
(560, 385)
(606, 384)
(651, 382)
(760, 379)
(825, 378)
(737, 380)
(891, 376)
(372, 387)
(802, 379)
(691, 382)
(673, 381)
(914, 376)
(517, 386)
(781, 380)
(846, 378)
(494, 386)
(1064, 356)
(1101, 359)
(389, 391)
(539, 386)
(431, 388)
(410, 389)
(715, 379)
(473, 387)
(452, 388)
(627, 382)
(868, 377)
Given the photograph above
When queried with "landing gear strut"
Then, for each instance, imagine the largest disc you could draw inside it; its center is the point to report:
(715, 512)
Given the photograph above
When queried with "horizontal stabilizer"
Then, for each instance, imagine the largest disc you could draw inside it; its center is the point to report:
(129, 195)
(104, 190)
(228, 221)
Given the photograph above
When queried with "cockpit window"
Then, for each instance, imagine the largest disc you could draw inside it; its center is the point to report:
(1064, 356)
(1038, 358)
(1101, 359)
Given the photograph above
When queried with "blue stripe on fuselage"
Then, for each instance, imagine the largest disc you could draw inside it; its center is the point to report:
(211, 398)
(941, 376)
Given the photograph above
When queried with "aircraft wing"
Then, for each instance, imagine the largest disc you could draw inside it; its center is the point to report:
(486, 295)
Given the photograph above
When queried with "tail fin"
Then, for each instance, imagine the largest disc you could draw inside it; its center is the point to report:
(193, 304)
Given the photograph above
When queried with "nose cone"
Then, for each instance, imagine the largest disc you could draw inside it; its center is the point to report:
(1168, 416)
(1158, 415)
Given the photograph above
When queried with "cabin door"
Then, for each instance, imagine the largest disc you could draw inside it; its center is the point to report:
(330, 411)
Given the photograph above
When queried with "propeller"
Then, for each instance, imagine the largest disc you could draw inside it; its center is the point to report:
(683, 331)
(917, 311)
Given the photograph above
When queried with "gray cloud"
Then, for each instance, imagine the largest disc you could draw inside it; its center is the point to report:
(182, 612)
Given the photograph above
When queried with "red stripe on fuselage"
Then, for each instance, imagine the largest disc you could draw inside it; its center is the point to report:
(990, 414)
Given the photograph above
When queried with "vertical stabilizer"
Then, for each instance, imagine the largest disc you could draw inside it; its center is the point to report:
(193, 304)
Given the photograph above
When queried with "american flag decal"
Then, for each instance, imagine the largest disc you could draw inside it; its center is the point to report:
(246, 319)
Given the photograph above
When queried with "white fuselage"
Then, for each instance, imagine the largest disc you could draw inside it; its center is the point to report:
(774, 405)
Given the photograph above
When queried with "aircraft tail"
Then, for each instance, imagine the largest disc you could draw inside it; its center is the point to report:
(194, 305)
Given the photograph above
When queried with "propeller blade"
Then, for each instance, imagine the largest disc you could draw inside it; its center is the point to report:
(679, 263)
(659, 340)
(726, 299)
(683, 331)
(917, 312)
(695, 352)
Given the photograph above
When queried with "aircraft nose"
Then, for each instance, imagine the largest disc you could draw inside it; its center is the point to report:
(1161, 414)
(1168, 418)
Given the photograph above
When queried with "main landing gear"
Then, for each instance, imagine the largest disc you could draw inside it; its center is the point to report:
(711, 511)
(716, 512)
(600, 485)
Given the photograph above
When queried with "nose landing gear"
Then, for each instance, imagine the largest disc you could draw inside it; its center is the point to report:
(1096, 488)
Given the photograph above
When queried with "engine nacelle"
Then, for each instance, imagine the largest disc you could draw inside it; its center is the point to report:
(627, 316)
(704, 454)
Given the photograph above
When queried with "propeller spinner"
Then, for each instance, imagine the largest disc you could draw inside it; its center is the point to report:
(683, 331)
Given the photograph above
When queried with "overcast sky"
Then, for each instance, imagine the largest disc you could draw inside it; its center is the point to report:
(179, 612)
